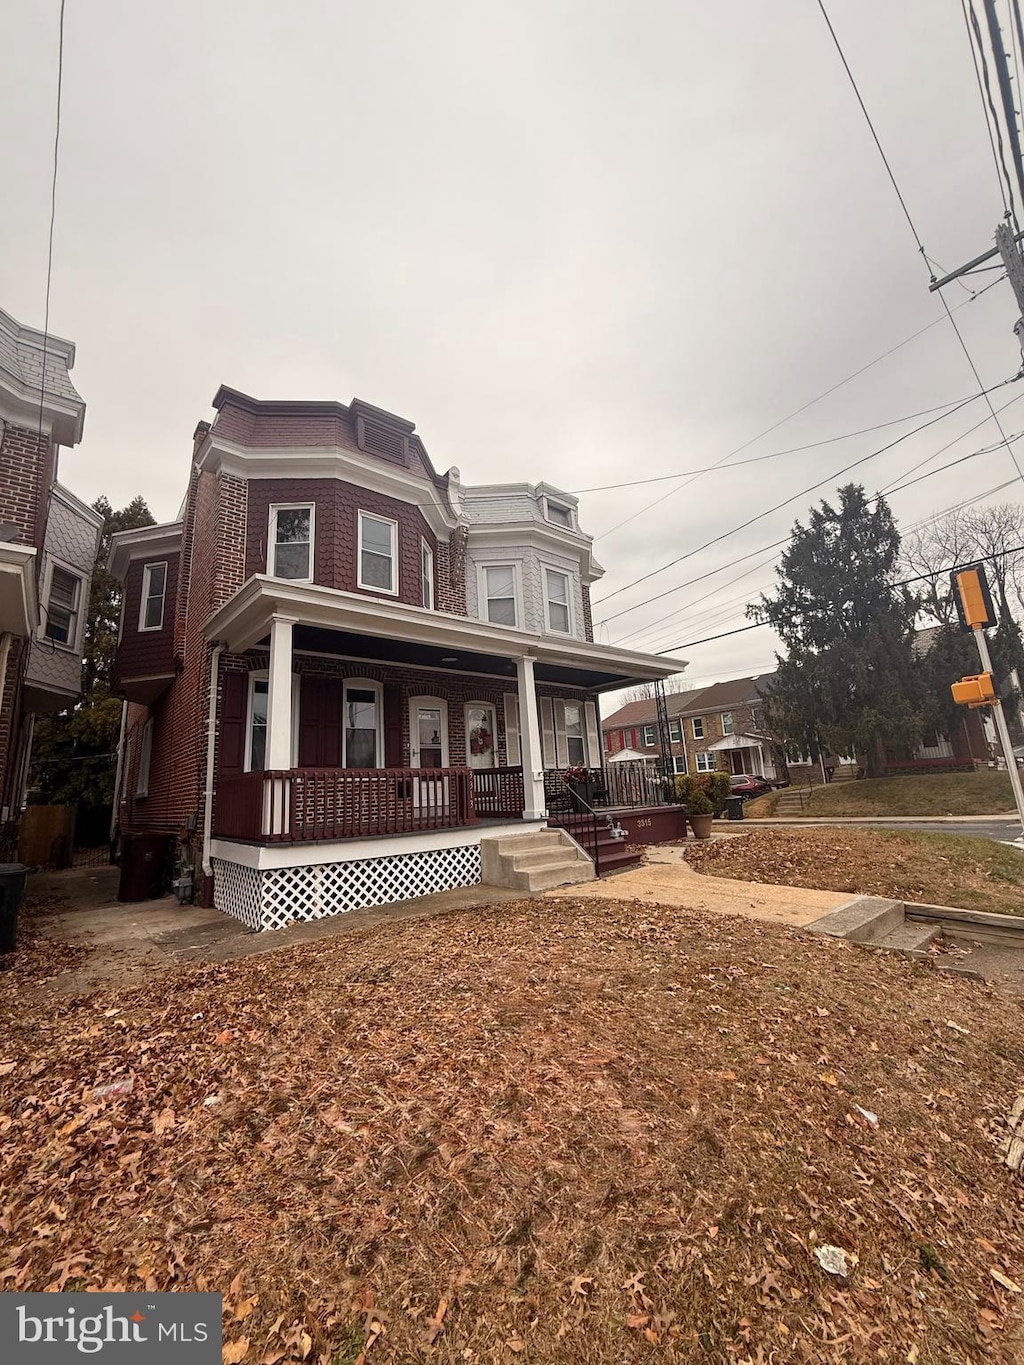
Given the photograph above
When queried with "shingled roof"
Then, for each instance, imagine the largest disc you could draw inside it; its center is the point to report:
(718, 697)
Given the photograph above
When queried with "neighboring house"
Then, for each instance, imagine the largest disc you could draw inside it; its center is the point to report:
(718, 728)
(338, 661)
(48, 544)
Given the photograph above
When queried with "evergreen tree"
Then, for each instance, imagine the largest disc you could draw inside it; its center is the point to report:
(848, 680)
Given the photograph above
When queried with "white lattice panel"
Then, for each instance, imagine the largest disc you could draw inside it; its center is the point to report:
(236, 891)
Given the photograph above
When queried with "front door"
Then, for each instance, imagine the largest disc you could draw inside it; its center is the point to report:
(480, 735)
(428, 732)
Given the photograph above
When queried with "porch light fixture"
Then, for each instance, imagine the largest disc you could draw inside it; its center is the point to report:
(449, 659)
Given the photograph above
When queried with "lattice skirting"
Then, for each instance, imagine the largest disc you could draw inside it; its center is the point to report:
(272, 898)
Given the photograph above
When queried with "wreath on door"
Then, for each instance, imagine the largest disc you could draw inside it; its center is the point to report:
(480, 741)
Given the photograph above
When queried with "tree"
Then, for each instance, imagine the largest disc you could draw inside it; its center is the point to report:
(73, 752)
(848, 680)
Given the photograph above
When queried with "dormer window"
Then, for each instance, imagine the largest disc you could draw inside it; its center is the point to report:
(291, 542)
(558, 514)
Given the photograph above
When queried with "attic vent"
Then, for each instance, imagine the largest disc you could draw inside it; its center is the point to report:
(377, 439)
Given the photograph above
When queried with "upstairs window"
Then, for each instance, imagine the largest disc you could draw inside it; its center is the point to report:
(427, 573)
(154, 586)
(557, 601)
(63, 606)
(698, 727)
(291, 543)
(675, 731)
(559, 514)
(499, 584)
(727, 725)
(648, 735)
(378, 553)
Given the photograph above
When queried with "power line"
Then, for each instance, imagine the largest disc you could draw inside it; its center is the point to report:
(767, 512)
(988, 110)
(53, 215)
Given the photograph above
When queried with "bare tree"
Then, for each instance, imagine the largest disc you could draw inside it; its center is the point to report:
(995, 534)
(645, 691)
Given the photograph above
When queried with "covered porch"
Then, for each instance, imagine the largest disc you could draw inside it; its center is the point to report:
(345, 718)
(746, 754)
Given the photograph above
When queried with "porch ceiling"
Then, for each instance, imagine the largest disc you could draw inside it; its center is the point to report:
(363, 627)
(19, 610)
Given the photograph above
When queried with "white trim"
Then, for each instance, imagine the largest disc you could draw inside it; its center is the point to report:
(363, 685)
(561, 573)
(272, 543)
(145, 760)
(433, 704)
(146, 542)
(546, 503)
(732, 722)
(648, 743)
(694, 722)
(264, 857)
(331, 462)
(147, 572)
(538, 535)
(361, 512)
(72, 646)
(263, 674)
(19, 603)
(427, 575)
(482, 598)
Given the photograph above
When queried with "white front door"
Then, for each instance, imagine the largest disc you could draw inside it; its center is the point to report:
(428, 732)
(480, 735)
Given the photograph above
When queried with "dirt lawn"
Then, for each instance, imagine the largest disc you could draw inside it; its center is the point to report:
(935, 869)
(559, 1131)
(980, 793)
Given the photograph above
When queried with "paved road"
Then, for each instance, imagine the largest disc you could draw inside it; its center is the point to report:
(1001, 830)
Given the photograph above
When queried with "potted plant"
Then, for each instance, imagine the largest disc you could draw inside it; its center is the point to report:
(700, 813)
(577, 779)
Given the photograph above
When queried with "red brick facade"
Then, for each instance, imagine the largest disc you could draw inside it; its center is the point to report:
(142, 653)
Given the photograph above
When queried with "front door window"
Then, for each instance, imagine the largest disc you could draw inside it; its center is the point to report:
(428, 733)
(480, 739)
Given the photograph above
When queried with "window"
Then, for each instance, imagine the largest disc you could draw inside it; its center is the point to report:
(727, 726)
(256, 735)
(378, 554)
(427, 573)
(675, 731)
(362, 717)
(499, 590)
(145, 758)
(557, 600)
(648, 734)
(680, 763)
(698, 727)
(575, 742)
(291, 543)
(154, 585)
(706, 763)
(558, 513)
(62, 606)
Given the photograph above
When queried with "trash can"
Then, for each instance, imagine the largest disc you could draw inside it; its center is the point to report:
(12, 889)
(734, 805)
(143, 867)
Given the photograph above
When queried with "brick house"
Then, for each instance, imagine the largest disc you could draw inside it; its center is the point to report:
(717, 728)
(338, 663)
(48, 544)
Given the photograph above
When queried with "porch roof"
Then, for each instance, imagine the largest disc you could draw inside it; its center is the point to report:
(736, 742)
(328, 620)
(19, 608)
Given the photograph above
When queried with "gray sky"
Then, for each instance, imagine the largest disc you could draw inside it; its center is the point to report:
(581, 242)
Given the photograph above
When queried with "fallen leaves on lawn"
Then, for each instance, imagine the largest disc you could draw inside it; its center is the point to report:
(566, 1131)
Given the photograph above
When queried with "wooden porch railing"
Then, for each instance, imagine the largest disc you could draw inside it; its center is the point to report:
(304, 804)
(498, 791)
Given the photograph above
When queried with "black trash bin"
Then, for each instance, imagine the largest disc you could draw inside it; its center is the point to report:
(12, 889)
(144, 859)
(734, 805)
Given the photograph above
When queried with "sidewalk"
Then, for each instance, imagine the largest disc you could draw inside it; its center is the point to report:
(756, 822)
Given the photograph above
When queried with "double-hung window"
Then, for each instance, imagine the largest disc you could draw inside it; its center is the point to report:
(63, 606)
(556, 597)
(698, 727)
(706, 762)
(154, 586)
(499, 586)
(575, 740)
(727, 725)
(362, 725)
(378, 553)
(427, 573)
(675, 731)
(648, 735)
(145, 760)
(291, 542)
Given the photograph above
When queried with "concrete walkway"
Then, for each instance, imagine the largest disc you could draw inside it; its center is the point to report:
(667, 879)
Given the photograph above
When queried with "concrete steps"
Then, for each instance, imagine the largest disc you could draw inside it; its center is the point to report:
(536, 861)
(879, 923)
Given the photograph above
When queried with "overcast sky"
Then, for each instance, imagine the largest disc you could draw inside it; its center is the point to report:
(579, 242)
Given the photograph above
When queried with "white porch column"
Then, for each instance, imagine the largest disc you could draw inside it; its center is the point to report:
(534, 803)
(279, 694)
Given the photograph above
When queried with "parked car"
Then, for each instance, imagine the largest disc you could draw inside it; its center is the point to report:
(748, 786)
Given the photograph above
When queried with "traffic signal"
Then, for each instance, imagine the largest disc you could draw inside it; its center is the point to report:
(978, 690)
(972, 597)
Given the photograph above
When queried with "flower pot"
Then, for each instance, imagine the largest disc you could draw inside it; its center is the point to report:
(701, 825)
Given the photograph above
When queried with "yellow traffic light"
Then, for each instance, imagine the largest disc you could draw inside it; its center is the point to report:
(978, 690)
(973, 600)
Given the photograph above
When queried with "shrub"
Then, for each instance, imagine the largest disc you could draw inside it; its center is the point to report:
(714, 788)
(700, 804)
